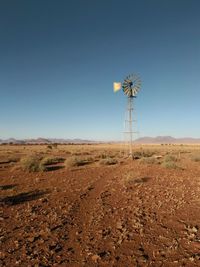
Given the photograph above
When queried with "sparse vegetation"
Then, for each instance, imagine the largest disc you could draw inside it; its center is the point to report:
(143, 154)
(137, 154)
(46, 161)
(150, 160)
(169, 165)
(108, 161)
(51, 160)
(90, 184)
(34, 163)
(9, 159)
(170, 158)
(108, 154)
(195, 157)
(134, 177)
(30, 163)
(77, 161)
(103, 155)
(148, 153)
(169, 162)
(77, 153)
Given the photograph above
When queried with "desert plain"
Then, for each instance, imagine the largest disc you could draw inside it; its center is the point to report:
(90, 205)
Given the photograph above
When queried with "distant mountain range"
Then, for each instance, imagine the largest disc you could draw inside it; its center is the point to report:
(44, 141)
(167, 140)
(143, 140)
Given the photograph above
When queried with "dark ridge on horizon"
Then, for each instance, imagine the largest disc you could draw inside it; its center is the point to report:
(142, 140)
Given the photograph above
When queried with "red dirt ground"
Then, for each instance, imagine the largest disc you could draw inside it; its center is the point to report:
(128, 214)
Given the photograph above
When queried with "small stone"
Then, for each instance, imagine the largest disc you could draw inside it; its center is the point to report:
(191, 259)
(2, 255)
(194, 229)
(16, 243)
(31, 239)
(95, 258)
(119, 225)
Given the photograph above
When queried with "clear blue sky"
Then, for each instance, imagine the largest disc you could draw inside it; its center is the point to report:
(58, 60)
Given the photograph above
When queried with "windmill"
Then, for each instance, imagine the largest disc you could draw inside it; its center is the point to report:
(130, 86)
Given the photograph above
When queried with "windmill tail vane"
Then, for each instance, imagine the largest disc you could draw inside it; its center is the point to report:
(117, 86)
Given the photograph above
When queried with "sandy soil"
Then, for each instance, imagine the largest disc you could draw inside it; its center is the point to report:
(128, 214)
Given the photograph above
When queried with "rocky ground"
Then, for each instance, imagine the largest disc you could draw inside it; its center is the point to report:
(128, 214)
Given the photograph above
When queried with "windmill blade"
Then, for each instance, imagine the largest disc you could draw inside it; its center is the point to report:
(127, 81)
(131, 85)
(137, 86)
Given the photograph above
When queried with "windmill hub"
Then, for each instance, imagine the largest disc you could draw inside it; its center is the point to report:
(131, 85)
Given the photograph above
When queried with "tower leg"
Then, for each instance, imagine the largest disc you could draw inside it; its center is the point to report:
(130, 122)
(128, 133)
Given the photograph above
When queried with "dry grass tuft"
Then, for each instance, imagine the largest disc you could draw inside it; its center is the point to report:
(9, 159)
(46, 161)
(169, 158)
(169, 162)
(170, 165)
(30, 163)
(143, 154)
(34, 163)
(51, 160)
(108, 161)
(78, 161)
(195, 157)
(150, 160)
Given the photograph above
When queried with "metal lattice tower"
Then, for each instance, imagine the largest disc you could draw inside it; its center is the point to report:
(131, 86)
(130, 125)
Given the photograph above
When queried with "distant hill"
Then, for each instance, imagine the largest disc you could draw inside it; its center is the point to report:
(143, 140)
(45, 141)
(167, 140)
(12, 140)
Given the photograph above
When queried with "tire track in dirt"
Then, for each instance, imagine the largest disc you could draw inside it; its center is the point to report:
(88, 206)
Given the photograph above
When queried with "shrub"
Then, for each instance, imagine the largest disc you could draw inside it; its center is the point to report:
(195, 157)
(77, 153)
(108, 161)
(77, 161)
(169, 162)
(30, 163)
(10, 159)
(51, 160)
(169, 165)
(45, 162)
(67, 152)
(169, 158)
(103, 156)
(149, 160)
(143, 154)
(148, 153)
(137, 154)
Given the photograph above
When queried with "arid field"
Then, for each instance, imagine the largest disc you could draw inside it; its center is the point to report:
(90, 205)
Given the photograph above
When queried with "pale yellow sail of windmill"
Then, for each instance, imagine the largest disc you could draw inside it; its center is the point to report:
(116, 86)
